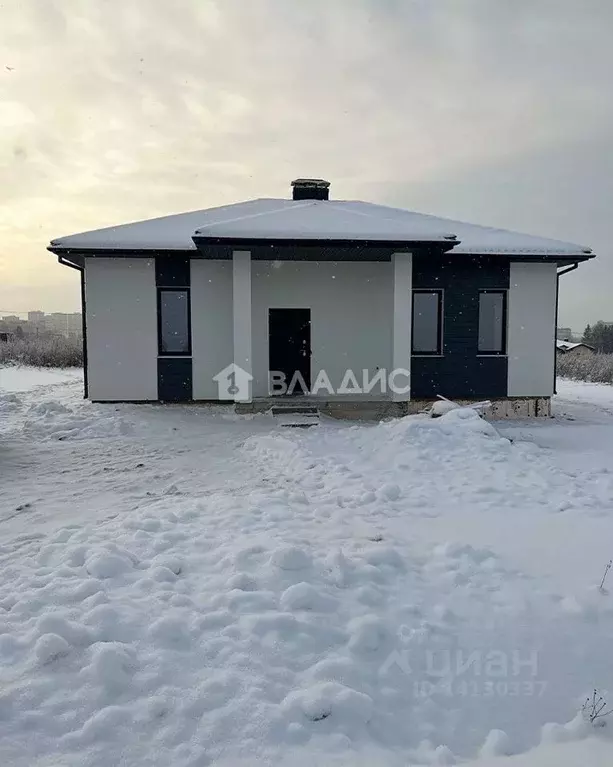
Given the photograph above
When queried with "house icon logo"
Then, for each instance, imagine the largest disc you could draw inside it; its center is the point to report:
(234, 383)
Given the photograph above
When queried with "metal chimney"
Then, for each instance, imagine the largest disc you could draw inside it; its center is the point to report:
(310, 189)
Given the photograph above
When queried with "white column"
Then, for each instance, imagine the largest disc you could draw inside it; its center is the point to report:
(241, 314)
(401, 349)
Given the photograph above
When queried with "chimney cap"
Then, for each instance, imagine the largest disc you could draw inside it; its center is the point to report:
(319, 183)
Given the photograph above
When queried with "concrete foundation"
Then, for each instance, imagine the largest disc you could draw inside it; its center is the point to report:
(376, 410)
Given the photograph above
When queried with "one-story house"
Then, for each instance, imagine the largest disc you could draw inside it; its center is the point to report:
(345, 305)
(578, 349)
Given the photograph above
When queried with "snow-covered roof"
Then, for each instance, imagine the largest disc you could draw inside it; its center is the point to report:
(328, 220)
(280, 219)
(566, 346)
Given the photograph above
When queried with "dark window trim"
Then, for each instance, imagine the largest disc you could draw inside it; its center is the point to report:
(439, 348)
(174, 289)
(489, 352)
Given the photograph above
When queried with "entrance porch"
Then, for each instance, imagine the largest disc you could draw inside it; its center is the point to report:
(318, 322)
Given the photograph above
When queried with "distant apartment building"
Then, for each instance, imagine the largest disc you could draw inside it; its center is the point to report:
(38, 323)
(67, 325)
(36, 319)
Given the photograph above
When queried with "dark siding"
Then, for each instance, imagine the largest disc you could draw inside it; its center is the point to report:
(174, 373)
(174, 379)
(172, 272)
(460, 372)
(274, 250)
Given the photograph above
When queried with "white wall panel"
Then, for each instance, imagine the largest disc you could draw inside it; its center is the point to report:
(212, 334)
(121, 328)
(351, 314)
(531, 329)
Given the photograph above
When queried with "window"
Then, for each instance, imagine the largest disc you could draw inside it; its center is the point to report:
(427, 321)
(174, 322)
(492, 322)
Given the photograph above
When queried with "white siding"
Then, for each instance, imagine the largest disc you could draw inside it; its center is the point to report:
(351, 314)
(121, 328)
(531, 329)
(212, 335)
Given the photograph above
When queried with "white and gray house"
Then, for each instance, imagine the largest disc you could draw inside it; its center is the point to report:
(339, 299)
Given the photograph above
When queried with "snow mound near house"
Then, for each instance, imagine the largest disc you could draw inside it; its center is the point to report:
(52, 420)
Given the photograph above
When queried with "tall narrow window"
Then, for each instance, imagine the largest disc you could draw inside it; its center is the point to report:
(427, 322)
(492, 322)
(174, 322)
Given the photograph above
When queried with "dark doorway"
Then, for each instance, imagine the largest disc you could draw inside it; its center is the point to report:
(289, 348)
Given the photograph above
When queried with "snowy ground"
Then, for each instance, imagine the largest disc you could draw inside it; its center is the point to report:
(20, 379)
(181, 586)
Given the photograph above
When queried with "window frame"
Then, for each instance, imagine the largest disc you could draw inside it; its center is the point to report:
(488, 352)
(439, 318)
(174, 289)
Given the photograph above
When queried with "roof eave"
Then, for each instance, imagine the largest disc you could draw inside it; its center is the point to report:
(568, 257)
(78, 255)
(443, 245)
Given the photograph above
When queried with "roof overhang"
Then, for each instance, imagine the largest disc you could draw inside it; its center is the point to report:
(561, 259)
(292, 249)
(75, 257)
(221, 248)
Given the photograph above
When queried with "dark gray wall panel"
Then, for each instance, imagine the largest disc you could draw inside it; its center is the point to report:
(172, 272)
(174, 379)
(460, 372)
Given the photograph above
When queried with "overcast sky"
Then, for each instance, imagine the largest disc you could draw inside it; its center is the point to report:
(496, 112)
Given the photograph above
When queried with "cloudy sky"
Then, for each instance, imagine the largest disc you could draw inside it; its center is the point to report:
(496, 112)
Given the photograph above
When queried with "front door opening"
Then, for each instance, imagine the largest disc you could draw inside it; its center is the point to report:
(289, 348)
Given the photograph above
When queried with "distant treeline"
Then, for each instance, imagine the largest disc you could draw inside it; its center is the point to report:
(597, 368)
(54, 352)
(600, 336)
